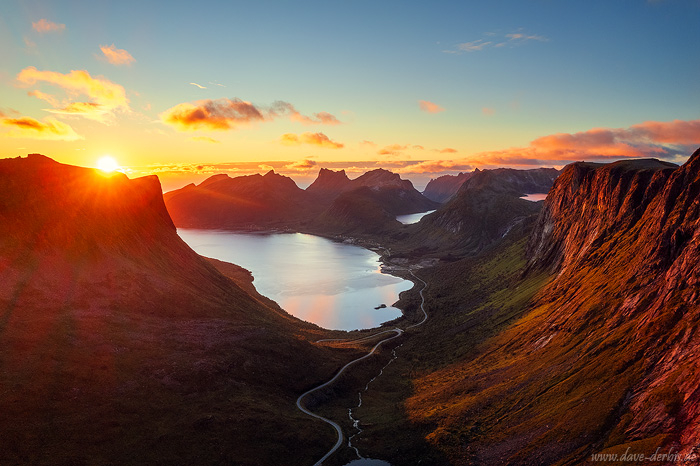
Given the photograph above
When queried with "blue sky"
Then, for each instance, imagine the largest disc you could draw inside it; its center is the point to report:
(500, 74)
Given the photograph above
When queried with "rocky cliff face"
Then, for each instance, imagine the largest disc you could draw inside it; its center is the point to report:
(604, 357)
(591, 202)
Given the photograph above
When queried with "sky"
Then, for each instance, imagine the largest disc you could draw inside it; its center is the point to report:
(185, 90)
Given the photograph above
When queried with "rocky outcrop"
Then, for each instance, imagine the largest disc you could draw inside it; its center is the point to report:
(330, 184)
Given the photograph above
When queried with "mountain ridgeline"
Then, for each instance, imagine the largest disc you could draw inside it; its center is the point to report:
(332, 204)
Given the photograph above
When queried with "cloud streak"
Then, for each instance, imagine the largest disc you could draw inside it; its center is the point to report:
(494, 40)
(116, 56)
(429, 107)
(26, 127)
(230, 114)
(44, 26)
(316, 139)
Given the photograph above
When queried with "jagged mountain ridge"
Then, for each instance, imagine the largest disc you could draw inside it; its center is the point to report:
(275, 201)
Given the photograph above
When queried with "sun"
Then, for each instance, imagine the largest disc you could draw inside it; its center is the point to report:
(107, 164)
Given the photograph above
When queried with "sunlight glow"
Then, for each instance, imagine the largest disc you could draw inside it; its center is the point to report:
(107, 164)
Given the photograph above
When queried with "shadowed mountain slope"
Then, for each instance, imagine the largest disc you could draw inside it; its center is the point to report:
(537, 180)
(120, 345)
(485, 209)
(254, 201)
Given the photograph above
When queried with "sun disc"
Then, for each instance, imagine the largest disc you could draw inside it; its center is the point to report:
(107, 164)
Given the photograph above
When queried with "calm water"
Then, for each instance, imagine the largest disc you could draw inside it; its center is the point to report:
(334, 285)
(535, 197)
(412, 218)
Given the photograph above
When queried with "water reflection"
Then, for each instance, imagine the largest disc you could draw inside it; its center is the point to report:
(333, 285)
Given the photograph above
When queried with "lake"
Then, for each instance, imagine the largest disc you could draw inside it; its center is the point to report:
(412, 218)
(536, 197)
(334, 285)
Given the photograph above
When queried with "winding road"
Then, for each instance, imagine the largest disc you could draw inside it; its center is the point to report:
(397, 331)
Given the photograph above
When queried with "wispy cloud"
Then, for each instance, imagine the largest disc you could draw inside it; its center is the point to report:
(392, 149)
(488, 111)
(105, 97)
(44, 25)
(434, 166)
(301, 166)
(227, 114)
(321, 118)
(496, 40)
(205, 139)
(199, 85)
(317, 139)
(26, 127)
(430, 107)
(116, 56)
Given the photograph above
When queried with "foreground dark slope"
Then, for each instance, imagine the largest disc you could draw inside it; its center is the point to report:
(604, 357)
(120, 345)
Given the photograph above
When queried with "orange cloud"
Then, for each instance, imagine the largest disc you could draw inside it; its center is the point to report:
(322, 118)
(488, 111)
(116, 56)
(393, 149)
(220, 115)
(105, 95)
(26, 127)
(430, 107)
(448, 150)
(435, 166)
(317, 139)
(43, 26)
(667, 140)
(301, 166)
(225, 114)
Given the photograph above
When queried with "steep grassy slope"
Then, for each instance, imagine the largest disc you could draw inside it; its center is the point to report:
(120, 345)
